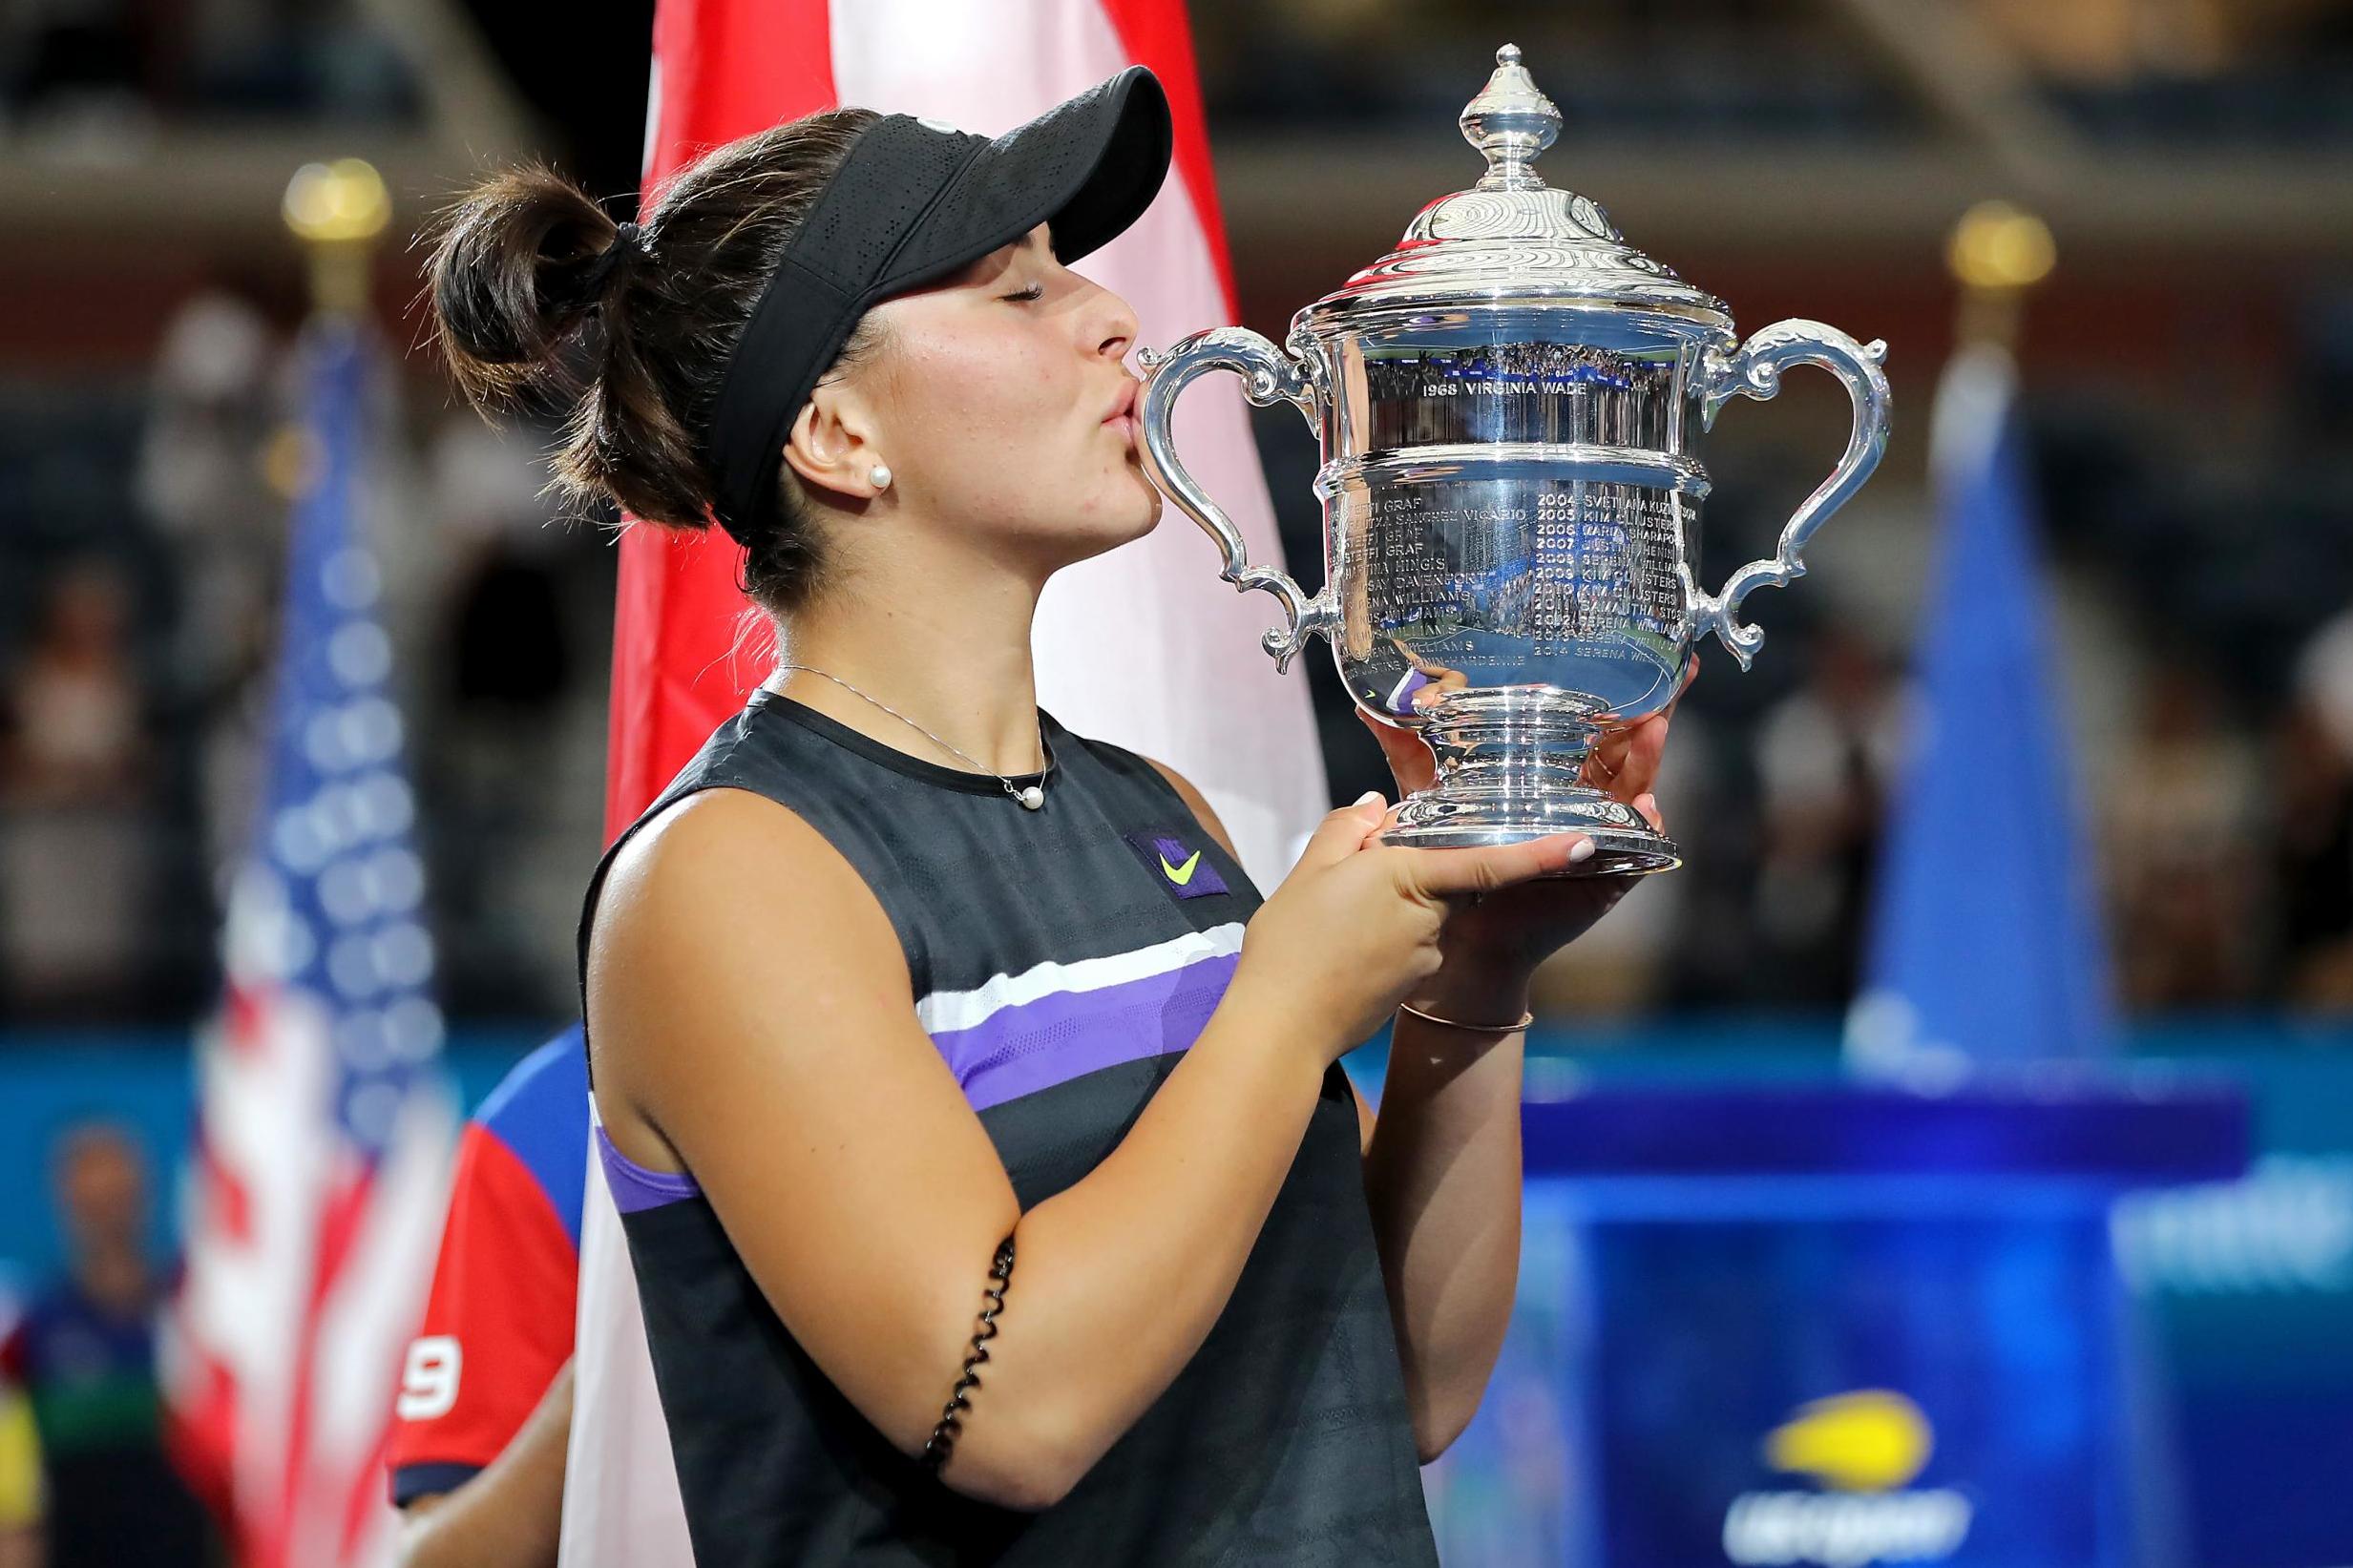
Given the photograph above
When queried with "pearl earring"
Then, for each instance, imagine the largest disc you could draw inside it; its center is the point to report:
(880, 474)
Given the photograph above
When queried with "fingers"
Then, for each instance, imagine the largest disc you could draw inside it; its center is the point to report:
(1646, 745)
(1690, 673)
(1605, 764)
(1343, 831)
(1411, 761)
(1447, 874)
(1625, 762)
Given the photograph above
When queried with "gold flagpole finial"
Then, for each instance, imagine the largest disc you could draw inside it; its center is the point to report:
(337, 210)
(1997, 252)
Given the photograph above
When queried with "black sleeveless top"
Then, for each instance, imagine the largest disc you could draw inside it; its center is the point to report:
(1062, 961)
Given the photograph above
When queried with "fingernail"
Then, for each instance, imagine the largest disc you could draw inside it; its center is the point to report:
(1582, 851)
(1369, 797)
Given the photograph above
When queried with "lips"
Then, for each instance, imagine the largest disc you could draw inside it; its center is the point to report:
(1126, 404)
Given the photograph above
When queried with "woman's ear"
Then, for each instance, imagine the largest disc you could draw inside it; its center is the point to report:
(828, 448)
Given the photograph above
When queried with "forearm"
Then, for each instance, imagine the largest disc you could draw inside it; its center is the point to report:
(1119, 1277)
(1442, 1179)
(511, 1514)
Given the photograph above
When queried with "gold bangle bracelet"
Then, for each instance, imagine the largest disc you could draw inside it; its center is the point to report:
(1526, 1019)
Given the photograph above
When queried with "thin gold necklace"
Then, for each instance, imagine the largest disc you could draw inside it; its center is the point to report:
(1032, 796)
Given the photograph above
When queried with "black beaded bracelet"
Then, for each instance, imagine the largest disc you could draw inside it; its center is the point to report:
(943, 1436)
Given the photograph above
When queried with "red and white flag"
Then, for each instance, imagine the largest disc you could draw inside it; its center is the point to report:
(323, 1122)
(1144, 646)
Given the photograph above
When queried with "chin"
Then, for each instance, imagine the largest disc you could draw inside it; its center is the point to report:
(1125, 526)
(1152, 513)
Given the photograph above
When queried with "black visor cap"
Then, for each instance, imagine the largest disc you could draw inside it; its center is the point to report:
(913, 203)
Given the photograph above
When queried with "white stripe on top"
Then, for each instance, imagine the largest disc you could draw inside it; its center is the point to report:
(944, 1012)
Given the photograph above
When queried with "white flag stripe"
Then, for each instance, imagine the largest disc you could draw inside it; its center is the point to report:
(622, 1507)
(372, 1323)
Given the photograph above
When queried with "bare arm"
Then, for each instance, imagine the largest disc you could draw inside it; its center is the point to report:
(730, 901)
(510, 1515)
(1442, 1178)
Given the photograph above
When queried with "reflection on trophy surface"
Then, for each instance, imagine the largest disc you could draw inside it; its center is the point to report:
(1511, 508)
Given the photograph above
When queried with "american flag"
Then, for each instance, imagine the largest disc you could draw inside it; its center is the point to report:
(314, 1202)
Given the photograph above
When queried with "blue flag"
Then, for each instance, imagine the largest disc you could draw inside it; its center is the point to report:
(1987, 944)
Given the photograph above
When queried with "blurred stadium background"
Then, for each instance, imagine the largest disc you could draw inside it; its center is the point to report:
(2187, 394)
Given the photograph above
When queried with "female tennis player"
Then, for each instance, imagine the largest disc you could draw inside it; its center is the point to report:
(994, 1191)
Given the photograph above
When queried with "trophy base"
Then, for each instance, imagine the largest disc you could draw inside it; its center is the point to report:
(1621, 848)
(1509, 766)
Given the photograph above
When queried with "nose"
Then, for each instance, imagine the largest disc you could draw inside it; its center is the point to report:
(1113, 325)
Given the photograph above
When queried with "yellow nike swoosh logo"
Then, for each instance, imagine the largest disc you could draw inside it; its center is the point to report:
(1180, 875)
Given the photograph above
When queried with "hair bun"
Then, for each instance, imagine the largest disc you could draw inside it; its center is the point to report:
(520, 262)
(509, 270)
(627, 248)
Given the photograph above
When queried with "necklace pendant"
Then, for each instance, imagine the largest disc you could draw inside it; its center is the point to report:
(1032, 797)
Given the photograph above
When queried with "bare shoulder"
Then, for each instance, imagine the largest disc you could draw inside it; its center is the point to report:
(724, 903)
(1199, 803)
(722, 857)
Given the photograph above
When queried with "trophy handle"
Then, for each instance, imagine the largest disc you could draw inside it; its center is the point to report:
(1756, 371)
(1270, 377)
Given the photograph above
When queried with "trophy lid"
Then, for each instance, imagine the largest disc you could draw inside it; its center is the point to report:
(1510, 238)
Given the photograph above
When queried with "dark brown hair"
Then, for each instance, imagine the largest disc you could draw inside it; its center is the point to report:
(515, 282)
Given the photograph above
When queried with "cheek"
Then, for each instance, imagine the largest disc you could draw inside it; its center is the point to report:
(1000, 398)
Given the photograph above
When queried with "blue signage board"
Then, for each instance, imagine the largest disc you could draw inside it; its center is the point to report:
(1829, 1327)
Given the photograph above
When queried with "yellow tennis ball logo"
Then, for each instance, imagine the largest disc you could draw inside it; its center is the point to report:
(1871, 1441)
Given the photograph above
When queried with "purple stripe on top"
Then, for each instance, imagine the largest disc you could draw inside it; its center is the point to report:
(1022, 1049)
(635, 1188)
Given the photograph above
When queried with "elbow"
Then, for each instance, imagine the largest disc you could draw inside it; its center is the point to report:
(1029, 1488)
(1429, 1445)
(1026, 1462)
(1436, 1428)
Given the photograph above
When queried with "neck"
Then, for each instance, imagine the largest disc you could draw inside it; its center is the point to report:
(957, 661)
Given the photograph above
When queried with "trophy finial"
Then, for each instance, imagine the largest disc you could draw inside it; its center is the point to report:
(1510, 123)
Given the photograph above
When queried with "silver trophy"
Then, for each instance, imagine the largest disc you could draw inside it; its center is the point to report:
(1511, 506)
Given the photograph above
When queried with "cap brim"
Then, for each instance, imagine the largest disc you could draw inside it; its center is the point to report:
(1090, 167)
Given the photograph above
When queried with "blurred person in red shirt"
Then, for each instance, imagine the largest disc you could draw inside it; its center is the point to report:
(485, 1402)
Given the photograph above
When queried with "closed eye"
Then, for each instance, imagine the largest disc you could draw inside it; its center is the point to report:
(1035, 291)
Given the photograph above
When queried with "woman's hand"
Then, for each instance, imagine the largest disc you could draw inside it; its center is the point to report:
(1498, 941)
